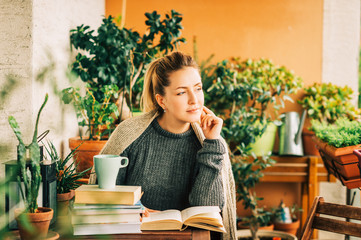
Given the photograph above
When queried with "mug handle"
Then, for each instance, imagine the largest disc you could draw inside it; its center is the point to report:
(125, 162)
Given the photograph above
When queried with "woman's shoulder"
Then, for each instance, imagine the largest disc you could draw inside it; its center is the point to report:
(133, 126)
(140, 121)
(127, 132)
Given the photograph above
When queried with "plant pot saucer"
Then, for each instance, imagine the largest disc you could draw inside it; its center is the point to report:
(352, 183)
(15, 235)
(341, 162)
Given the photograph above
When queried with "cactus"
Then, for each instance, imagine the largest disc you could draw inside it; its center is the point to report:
(31, 176)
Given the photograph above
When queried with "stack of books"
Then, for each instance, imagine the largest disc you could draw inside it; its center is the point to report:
(101, 211)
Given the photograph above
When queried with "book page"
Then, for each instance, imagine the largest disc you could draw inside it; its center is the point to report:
(213, 218)
(164, 220)
(191, 211)
(164, 215)
(208, 227)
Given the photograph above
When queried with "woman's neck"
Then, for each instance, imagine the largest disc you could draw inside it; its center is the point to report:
(171, 125)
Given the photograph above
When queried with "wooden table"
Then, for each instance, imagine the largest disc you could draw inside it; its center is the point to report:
(188, 234)
(307, 170)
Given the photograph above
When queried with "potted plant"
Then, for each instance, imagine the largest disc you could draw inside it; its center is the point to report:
(265, 234)
(285, 218)
(33, 221)
(67, 178)
(247, 173)
(241, 92)
(336, 143)
(97, 116)
(112, 64)
(325, 102)
(67, 181)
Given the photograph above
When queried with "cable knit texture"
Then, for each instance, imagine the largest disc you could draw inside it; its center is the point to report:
(172, 169)
(195, 168)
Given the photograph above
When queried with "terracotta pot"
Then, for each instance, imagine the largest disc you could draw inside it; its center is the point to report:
(269, 227)
(63, 221)
(341, 162)
(288, 227)
(309, 146)
(38, 223)
(62, 202)
(86, 152)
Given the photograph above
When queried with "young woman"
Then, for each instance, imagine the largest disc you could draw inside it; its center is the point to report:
(175, 149)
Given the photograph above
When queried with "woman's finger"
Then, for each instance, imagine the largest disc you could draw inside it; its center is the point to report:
(146, 212)
(208, 111)
(206, 120)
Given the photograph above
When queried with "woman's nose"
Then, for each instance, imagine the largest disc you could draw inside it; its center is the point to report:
(192, 98)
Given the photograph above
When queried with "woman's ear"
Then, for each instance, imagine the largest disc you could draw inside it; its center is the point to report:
(160, 100)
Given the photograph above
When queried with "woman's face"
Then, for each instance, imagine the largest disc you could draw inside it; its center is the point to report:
(183, 99)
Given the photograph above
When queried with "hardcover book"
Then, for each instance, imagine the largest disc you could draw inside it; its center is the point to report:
(106, 218)
(109, 228)
(92, 194)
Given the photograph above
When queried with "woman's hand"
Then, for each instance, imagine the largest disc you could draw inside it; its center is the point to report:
(211, 124)
(147, 211)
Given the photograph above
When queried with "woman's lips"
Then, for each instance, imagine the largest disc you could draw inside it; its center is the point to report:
(193, 110)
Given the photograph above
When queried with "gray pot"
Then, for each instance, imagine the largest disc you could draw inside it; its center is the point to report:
(265, 233)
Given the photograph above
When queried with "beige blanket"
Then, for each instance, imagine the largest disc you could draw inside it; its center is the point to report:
(130, 129)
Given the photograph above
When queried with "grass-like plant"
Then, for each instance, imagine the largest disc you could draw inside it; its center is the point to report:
(29, 175)
(342, 133)
(66, 174)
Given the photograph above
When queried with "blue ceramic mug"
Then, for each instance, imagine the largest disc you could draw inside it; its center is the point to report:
(107, 168)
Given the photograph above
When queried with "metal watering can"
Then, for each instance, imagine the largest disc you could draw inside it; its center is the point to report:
(290, 134)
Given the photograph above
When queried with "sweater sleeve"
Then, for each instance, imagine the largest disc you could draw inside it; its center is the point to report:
(207, 188)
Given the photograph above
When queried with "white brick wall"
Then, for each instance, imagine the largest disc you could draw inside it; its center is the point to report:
(52, 22)
(30, 32)
(15, 58)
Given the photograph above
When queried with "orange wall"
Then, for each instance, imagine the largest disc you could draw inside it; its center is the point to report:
(288, 32)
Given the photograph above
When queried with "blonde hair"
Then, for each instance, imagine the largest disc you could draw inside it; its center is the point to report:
(157, 78)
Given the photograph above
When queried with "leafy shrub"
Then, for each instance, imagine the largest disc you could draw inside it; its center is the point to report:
(328, 102)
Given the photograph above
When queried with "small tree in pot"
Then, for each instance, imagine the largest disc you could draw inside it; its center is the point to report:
(33, 221)
(242, 92)
(112, 64)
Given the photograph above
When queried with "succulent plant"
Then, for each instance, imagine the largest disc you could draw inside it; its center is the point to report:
(29, 175)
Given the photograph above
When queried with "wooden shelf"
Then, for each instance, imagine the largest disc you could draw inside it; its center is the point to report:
(307, 170)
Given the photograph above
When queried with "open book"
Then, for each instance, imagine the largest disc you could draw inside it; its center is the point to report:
(206, 217)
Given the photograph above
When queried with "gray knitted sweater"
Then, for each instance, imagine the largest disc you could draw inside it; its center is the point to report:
(131, 129)
(174, 170)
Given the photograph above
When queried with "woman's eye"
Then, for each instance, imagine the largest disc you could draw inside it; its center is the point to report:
(180, 93)
(199, 89)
